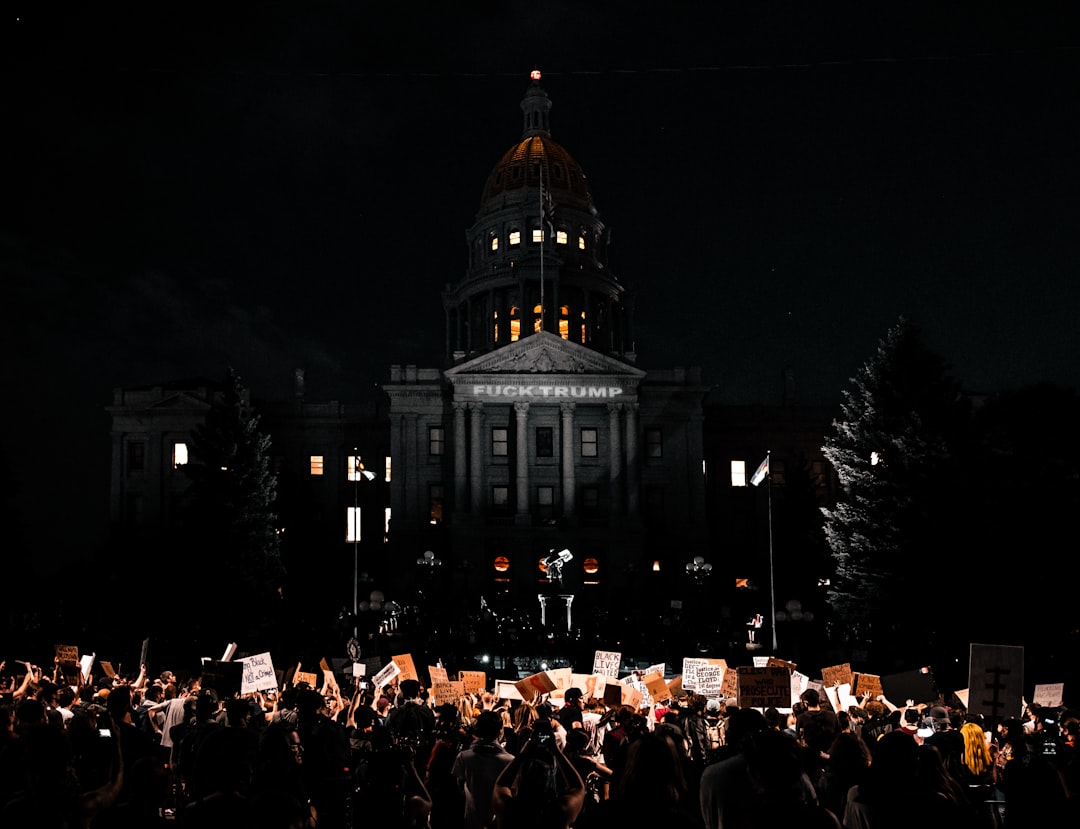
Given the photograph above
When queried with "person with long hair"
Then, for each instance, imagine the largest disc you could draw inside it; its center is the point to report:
(539, 788)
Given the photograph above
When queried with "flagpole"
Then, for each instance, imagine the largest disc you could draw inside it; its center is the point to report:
(543, 239)
(772, 577)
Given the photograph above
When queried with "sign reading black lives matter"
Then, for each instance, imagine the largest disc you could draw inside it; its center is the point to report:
(606, 663)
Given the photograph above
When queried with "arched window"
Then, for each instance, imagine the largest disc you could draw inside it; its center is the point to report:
(493, 242)
(515, 324)
(515, 237)
(564, 322)
(583, 327)
(561, 237)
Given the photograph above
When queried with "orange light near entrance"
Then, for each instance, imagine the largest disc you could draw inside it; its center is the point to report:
(535, 74)
(502, 564)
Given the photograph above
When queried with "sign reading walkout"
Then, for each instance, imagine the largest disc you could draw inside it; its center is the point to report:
(764, 687)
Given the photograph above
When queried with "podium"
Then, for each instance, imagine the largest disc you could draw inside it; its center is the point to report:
(555, 611)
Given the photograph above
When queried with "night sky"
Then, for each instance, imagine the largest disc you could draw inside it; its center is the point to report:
(276, 185)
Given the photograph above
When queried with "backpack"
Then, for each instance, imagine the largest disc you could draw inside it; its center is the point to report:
(713, 739)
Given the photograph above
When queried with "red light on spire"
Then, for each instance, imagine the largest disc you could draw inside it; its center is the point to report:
(535, 74)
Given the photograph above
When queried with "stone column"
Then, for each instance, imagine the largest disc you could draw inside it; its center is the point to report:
(461, 472)
(521, 413)
(476, 455)
(615, 445)
(569, 496)
(411, 440)
(633, 461)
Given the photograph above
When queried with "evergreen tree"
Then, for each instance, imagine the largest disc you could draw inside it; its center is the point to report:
(232, 537)
(892, 449)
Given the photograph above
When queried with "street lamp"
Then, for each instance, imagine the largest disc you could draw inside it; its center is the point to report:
(357, 473)
(699, 569)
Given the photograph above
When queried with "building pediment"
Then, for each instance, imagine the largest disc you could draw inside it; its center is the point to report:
(543, 353)
(182, 401)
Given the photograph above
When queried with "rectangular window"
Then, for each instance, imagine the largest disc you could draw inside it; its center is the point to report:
(588, 443)
(352, 522)
(654, 443)
(500, 442)
(738, 473)
(545, 502)
(515, 237)
(387, 469)
(354, 468)
(545, 442)
(500, 497)
(560, 237)
(316, 464)
(436, 498)
(179, 454)
(136, 456)
(537, 235)
(436, 440)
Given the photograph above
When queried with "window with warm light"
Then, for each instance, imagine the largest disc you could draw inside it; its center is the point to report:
(515, 324)
(582, 326)
(502, 564)
(436, 499)
(738, 473)
(495, 327)
(352, 524)
(581, 242)
(315, 464)
(387, 469)
(537, 312)
(564, 322)
(500, 442)
(561, 238)
(515, 237)
(656, 566)
(588, 443)
(494, 243)
(537, 235)
(354, 468)
(179, 454)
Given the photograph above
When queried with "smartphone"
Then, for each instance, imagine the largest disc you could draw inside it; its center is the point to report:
(104, 732)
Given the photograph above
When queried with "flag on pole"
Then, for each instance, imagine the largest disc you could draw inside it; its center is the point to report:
(762, 471)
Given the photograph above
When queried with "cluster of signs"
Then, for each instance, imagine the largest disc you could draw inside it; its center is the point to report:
(996, 675)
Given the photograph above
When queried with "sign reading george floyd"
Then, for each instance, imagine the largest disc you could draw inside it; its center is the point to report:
(764, 687)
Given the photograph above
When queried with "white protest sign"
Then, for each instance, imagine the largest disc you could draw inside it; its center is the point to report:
(710, 678)
(258, 674)
(606, 663)
(1051, 696)
(691, 665)
(383, 677)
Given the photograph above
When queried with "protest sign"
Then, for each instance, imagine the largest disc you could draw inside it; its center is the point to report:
(730, 688)
(606, 663)
(405, 664)
(312, 679)
(533, 686)
(385, 675)
(916, 685)
(655, 685)
(836, 675)
(108, 668)
(764, 687)
(475, 682)
(259, 674)
(507, 689)
(437, 674)
(632, 697)
(562, 677)
(996, 681)
(867, 686)
(710, 680)
(1050, 696)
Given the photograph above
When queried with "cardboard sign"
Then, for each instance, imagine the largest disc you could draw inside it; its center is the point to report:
(385, 675)
(437, 674)
(606, 663)
(632, 697)
(675, 688)
(867, 686)
(475, 681)
(533, 686)
(775, 662)
(259, 674)
(996, 681)
(836, 675)
(405, 664)
(1050, 696)
(303, 676)
(655, 685)
(591, 685)
(107, 667)
(710, 679)
(446, 691)
(67, 654)
(764, 687)
(613, 694)
(730, 688)
(562, 677)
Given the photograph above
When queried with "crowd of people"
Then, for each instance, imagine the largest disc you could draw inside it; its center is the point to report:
(117, 752)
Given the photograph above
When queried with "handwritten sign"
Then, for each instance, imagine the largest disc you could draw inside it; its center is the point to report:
(448, 692)
(384, 676)
(730, 687)
(836, 675)
(506, 689)
(866, 685)
(67, 654)
(259, 674)
(632, 697)
(606, 663)
(764, 687)
(311, 679)
(775, 662)
(406, 666)
(710, 679)
(108, 668)
(654, 683)
(591, 685)
(437, 674)
(562, 677)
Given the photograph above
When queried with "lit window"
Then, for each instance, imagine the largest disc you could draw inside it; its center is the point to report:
(502, 564)
(386, 474)
(738, 473)
(136, 456)
(386, 524)
(495, 327)
(494, 243)
(316, 464)
(500, 441)
(583, 326)
(581, 242)
(537, 311)
(588, 443)
(515, 324)
(354, 469)
(515, 237)
(179, 455)
(500, 497)
(537, 235)
(564, 322)
(654, 443)
(545, 442)
(436, 440)
(436, 497)
(352, 522)
(560, 237)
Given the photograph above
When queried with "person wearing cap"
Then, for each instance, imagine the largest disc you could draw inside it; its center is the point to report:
(570, 715)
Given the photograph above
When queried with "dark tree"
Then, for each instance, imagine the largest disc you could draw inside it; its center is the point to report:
(234, 570)
(893, 524)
